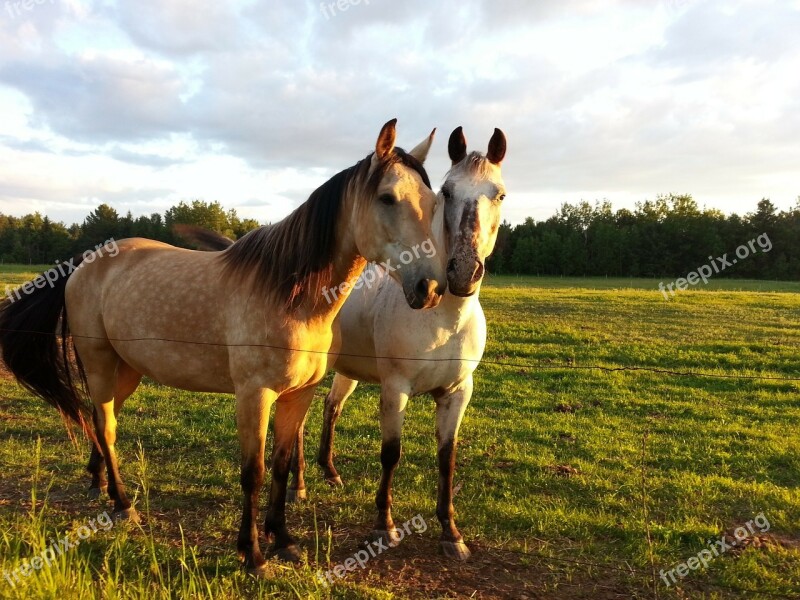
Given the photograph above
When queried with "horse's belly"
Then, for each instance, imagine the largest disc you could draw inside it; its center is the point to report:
(358, 368)
(200, 369)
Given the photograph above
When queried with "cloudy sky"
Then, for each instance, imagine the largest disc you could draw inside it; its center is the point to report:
(254, 103)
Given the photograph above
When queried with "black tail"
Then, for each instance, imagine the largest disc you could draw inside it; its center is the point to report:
(202, 239)
(29, 324)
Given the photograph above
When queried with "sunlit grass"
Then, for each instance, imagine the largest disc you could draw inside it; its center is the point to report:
(696, 455)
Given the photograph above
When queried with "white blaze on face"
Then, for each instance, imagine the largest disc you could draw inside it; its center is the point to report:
(474, 193)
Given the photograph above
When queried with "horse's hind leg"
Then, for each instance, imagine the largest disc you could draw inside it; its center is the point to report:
(341, 390)
(101, 373)
(96, 467)
(127, 381)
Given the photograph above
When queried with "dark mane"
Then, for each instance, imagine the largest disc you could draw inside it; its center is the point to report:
(293, 259)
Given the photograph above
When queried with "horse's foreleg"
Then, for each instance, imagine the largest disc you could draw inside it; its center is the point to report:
(127, 382)
(393, 410)
(450, 407)
(252, 418)
(334, 403)
(297, 489)
(289, 415)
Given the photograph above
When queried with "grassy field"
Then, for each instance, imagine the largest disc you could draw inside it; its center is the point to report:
(574, 483)
(621, 283)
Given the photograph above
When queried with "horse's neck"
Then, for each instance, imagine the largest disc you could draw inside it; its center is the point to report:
(347, 266)
(346, 271)
(460, 309)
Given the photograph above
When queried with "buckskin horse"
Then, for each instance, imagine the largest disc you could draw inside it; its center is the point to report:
(249, 321)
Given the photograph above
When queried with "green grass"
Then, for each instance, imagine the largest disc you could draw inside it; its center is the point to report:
(29, 270)
(677, 460)
(611, 283)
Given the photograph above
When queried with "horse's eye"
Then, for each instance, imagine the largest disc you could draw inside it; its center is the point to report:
(446, 193)
(501, 197)
(387, 199)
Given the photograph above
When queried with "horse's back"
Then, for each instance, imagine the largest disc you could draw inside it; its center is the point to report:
(162, 309)
(135, 266)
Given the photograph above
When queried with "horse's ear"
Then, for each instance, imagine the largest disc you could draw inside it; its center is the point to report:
(457, 146)
(497, 147)
(386, 139)
(421, 151)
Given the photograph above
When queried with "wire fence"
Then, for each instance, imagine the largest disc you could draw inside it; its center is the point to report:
(516, 365)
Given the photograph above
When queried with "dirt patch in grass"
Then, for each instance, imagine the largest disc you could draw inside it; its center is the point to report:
(416, 569)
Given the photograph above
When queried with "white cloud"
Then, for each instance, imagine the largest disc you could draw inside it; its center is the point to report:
(178, 27)
(254, 103)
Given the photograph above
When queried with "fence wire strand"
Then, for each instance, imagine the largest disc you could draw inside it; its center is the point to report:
(499, 363)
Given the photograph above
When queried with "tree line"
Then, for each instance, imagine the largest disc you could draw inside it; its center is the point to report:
(34, 239)
(666, 237)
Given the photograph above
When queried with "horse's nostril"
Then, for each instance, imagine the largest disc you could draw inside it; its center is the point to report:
(451, 265)
(479, 270)
(426, 287)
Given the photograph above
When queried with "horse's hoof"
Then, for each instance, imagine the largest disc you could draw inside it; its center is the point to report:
(334, 481)
(455, 550)
(129, 514)
(259, 572)
(94, 493)
(382, 537)
(293, 496)
(288, 554)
